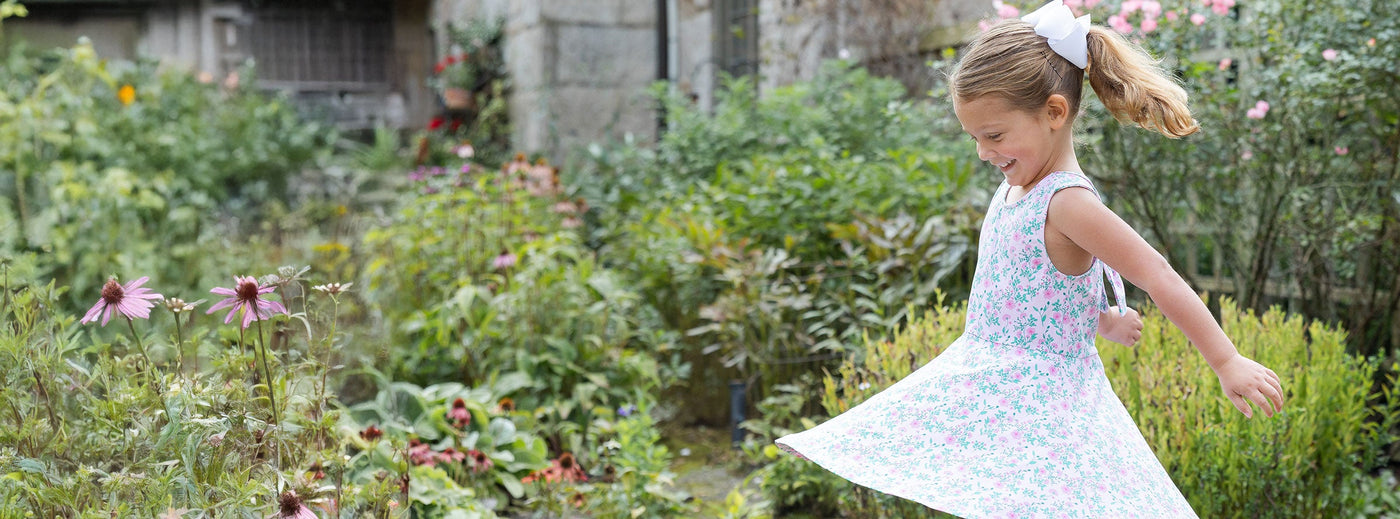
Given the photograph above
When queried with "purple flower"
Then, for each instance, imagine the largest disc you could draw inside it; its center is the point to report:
(245, 297)
(131, 300)
(504, 261)
(290, 507)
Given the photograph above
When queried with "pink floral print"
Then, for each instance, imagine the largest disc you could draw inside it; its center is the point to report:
(1016, 418)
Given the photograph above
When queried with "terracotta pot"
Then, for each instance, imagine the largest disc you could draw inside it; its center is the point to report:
(456, 98)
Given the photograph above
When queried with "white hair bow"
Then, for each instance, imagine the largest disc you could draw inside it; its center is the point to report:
(1068, 36)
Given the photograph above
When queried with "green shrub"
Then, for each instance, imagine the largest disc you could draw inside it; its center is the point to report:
(145, 169)
(777, 230)
(1311, 460)
(1300, 194)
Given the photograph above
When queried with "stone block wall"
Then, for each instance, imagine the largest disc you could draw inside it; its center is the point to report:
(580, 69)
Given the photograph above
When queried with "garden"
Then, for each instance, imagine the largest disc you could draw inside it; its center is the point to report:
(431, 324)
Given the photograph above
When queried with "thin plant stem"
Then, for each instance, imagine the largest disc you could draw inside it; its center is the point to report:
(5, 264)
(155, 373)
(330, 347)
(267, 373)
(326, 367)
(180, 348)
(140, 345)
(271, 394)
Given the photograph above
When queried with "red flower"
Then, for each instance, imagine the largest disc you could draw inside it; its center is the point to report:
(421, 453)
(441, 66)
(451, 454)
(371, 433)
(436, 123)
(480, 462)
(459, 414)
(565, 468)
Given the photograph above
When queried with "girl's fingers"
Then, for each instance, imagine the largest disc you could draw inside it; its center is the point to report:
(1263, 402)
(1241, 405)
(1276, 396)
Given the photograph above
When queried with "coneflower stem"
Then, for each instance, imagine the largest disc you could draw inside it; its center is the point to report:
(267, 373)
(155, 373)
(140, 345)
(180, 348)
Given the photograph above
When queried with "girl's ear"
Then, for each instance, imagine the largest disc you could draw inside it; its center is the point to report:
(1057, 110)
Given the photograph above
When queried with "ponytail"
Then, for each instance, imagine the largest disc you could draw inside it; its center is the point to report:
(1134, 87)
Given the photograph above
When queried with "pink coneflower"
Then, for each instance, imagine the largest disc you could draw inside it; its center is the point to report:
(291, 507)
(459, 414)
(480, 462)
(131, 300)
(245, 297)
(504, 261)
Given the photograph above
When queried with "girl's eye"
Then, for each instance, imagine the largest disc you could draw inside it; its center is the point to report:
(994, 136)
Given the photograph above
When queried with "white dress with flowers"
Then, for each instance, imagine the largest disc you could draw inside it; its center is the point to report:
(1016, 418)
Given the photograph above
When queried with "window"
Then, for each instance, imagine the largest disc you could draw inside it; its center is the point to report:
(737, 36)
(318, 45)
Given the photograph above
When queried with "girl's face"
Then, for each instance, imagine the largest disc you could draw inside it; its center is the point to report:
(1019, 143)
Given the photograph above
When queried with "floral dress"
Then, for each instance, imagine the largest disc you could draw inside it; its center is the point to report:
(1016, 418)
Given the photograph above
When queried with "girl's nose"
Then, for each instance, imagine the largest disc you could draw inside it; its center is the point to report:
(983, 153)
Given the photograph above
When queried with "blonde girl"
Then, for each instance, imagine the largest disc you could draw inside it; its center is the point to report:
(1016, 418)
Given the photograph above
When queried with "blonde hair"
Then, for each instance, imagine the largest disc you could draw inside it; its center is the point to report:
(1011, 61)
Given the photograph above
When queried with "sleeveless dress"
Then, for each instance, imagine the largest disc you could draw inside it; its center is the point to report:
(1016, 418)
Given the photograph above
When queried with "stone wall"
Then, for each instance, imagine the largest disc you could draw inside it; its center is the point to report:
(893, 38)
(580, 69)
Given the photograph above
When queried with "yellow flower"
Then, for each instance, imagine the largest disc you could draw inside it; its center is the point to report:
(126, 94)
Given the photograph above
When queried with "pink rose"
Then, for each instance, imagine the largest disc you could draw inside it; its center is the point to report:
(1118, 23)
(1198, 19)
(1005, 11)
(1149, 24)
(1329, 54)
(1341, 150)
(1172, 16)
(1225, 63)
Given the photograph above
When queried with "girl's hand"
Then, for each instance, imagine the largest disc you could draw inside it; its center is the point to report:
(1247, 381)
(1123, 329)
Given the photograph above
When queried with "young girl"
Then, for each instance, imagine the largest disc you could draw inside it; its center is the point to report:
(1016, 418)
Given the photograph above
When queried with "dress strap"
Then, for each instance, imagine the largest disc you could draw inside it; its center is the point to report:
(1116, 282)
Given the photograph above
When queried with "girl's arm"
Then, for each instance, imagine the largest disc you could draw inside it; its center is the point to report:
(1078, 214)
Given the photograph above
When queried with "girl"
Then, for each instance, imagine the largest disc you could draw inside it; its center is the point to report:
(1016, 418)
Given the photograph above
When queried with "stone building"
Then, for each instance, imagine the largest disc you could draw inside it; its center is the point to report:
(579, 68)
(360, 63)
